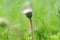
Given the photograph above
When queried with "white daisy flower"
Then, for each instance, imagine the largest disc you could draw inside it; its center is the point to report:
(27, 10)
(3, 21)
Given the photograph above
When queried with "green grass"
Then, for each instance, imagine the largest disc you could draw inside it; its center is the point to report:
(46, 19)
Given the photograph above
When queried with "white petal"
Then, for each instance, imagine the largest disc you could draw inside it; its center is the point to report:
(27, 10)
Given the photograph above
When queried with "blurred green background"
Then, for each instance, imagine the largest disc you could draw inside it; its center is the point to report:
(46, 19)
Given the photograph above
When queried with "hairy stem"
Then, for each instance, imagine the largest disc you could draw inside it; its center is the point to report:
(31, 28)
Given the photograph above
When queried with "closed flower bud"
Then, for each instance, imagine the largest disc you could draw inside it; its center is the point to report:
(28, 12)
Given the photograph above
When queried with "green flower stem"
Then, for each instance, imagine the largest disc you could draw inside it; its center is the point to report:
(8, 34)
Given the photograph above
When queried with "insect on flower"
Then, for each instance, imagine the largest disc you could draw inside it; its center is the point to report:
(28, 12)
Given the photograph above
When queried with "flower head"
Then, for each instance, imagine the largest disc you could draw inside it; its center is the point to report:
(3, 22)
(28, 12)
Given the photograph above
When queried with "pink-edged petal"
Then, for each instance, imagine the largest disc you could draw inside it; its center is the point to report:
(27, 10)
